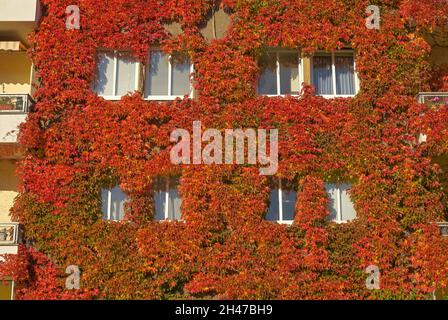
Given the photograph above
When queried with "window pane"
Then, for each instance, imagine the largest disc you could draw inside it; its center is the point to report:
(348, 210)
(289, 73)
(174, 205)
(322, 74)
(159, 187)
(117, 204)
(105, 74)
(345, 74)
(273, 212)
(180, 79)
(289, 202)
(125, 75)
(104, 202)
(267, 83)
(162, 187)
(156, 82)
(159, 204)
(332, 193)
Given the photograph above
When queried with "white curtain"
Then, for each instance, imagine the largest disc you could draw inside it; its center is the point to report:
(338, 193)
(345, 75)
(156, 83)
(117, 200)
(289, 201)
(267, 83)
(105, 74)
(126, 72)
(180, 78)
(289, 73)
(274, 210)
(322, 74)
(159, 203)
(174, 204)
(348, 210)
(162, 187)
(332, 192)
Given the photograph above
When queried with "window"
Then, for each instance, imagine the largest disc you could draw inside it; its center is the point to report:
(167, 199)
(167, 77)
(280, 75)
(113, 201)
(333, 74)
(117, 74)
(282, 202)
(341, 206)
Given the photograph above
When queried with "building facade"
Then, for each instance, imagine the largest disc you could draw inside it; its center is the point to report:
(362, 143)
(17, 20)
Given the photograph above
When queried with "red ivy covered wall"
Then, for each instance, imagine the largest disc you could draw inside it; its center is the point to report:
(78, 143)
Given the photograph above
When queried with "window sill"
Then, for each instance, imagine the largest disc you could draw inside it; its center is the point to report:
(165, 98)
(151, 98)
(333, 96)
(280, 95)
(284, 222)
(169, 221)
(12, 112)
(341, 221)
(111, 98)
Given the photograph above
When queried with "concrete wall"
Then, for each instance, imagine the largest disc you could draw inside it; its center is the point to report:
(9, 127)
(19, 10)
(214, 28)
(15, 72)
(8, 188)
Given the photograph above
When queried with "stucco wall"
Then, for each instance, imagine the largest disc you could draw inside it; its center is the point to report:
(19, 10)
(9, 127)
(8, 188)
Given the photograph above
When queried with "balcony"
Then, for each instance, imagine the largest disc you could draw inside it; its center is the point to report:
(18, 18)
(9, 234)
(13, 112)
(443, 226)
(433, 99)
(9, 238)
(14, 103)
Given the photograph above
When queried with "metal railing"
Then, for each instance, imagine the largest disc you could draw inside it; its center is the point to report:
(15, 103)
(443, 226)
(437, 99)
(9, 234)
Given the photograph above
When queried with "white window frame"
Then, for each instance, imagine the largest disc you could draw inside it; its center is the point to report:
(277, 71)
(166, 207)
(115, 53)
(170, 96)
(109, 204)
(333, 74)
(13, 290)
(338, 219)
(280, 206)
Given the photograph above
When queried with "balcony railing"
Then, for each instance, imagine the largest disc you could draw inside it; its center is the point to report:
(9, 234)
(433, 99)
(443, 226)
(15, 103)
